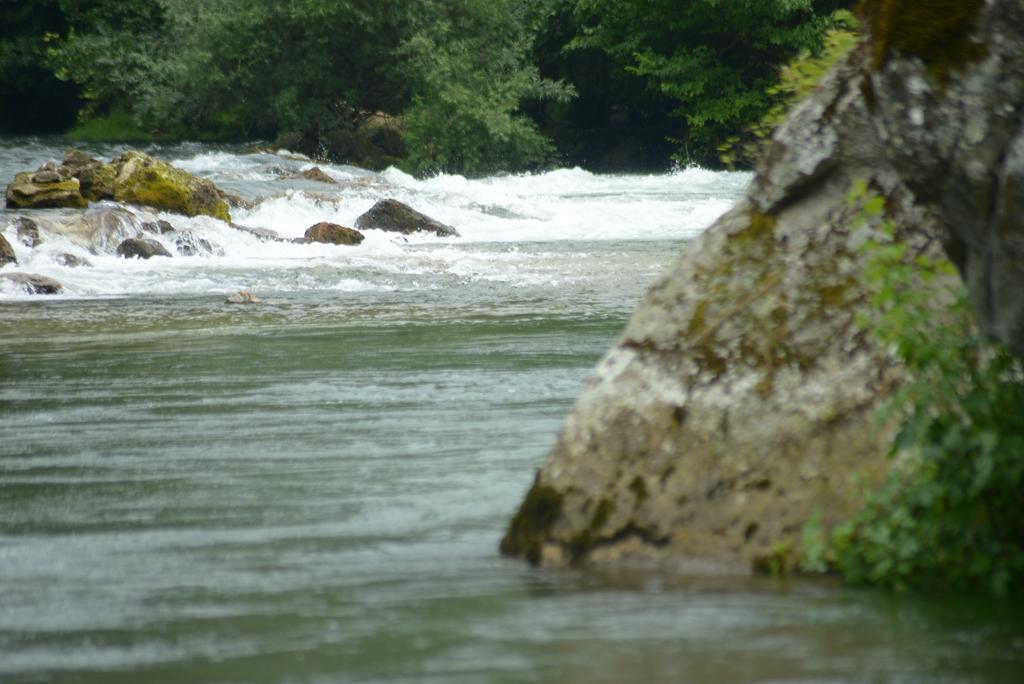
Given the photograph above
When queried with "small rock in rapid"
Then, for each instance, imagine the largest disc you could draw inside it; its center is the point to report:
(314, 174)
(6, 252)
(141, 248)
(242, 297)
(159, 227)
(33, 283)
(396, 217)
(28, 232)
(71, 261)
(332, 233)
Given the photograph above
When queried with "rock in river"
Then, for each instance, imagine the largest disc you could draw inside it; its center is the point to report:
(333, 234)
(134, 178)
(740, 400)
(44, 190)
(33, 283)
(243, 297)
(141, 248)
(28, 232)
(141, 179)
(314, 174)
(394, 216)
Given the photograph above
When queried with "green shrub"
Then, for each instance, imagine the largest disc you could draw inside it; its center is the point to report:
(117, 126)
(949, 515)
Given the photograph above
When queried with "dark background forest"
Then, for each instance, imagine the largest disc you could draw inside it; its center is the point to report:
(468, 86)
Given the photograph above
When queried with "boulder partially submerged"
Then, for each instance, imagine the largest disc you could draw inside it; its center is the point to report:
(141, 248)
(141, 179)
(28, 232)
(134, 178)
(394, 216)
(243, 297)
(740, 400)
(315, 174)
(33, 283)
(333, 234)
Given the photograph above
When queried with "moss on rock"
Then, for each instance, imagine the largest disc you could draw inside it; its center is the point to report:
(144, 180)
(937, 31)
(28, 192)
(531, 523)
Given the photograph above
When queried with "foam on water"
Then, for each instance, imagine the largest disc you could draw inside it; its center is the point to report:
(494, 215)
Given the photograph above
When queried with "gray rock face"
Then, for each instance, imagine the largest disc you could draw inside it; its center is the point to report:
(71, 261)
(739, 401)
(141, 248)
(394, 216)
(28, 232)
(33, 283)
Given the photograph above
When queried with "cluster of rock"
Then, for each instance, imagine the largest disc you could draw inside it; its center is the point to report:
(136, 178)
(133, 178)
(740, 400)
(388, 215)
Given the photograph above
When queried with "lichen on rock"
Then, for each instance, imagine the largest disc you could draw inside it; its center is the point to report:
(141, 179)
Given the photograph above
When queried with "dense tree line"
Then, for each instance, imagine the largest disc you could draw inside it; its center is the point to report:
(479, 85)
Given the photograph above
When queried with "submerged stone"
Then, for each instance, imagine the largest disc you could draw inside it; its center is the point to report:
(314, 174)
(71, 261)
(33, 283)
(243, 297)
(28, 232)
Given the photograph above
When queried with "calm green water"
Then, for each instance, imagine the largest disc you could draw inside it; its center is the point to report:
(313, 489)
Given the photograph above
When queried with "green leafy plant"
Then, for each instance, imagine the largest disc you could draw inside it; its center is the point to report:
(797, 78)
(949, 515)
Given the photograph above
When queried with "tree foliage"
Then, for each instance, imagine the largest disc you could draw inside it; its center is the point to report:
(483, 85)
(715, 60)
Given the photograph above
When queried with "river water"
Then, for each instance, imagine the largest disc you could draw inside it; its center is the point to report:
(312, 489)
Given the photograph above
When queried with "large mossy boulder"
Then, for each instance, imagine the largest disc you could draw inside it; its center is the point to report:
(95, 177)
(740, 401)
(141, 179)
